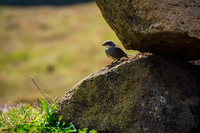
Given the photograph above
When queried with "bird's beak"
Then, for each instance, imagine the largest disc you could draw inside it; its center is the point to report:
(103, 44)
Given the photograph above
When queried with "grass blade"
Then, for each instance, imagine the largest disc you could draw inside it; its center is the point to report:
(40, 89)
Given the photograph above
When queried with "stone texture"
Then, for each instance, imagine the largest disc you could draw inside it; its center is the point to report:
(156, 94)
(164, 27)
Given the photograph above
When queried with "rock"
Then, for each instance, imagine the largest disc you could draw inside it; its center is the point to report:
(156, 94)
(163, 27)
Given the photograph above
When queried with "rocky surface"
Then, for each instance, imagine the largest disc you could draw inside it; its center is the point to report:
(148, 93)
(155, 94)
(163, 27)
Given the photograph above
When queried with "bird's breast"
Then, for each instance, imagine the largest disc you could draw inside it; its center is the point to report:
(111, 54)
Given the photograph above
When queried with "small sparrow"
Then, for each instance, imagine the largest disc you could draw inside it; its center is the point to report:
(113, 51)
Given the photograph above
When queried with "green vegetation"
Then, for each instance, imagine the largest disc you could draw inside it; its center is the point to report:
(29, 119)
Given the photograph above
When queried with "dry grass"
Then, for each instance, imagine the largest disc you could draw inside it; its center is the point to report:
(58, 46)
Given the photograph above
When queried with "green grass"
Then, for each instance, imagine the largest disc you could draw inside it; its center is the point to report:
(40, 119)
(58, 46)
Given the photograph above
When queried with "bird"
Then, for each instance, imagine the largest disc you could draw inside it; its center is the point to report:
(113, 51)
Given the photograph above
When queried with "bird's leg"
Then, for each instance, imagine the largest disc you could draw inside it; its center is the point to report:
(113, 61)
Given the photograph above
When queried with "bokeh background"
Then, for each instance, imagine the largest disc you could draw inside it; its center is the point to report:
(57, 45)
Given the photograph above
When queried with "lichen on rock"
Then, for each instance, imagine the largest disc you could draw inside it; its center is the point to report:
(156, 93)
(153, 94)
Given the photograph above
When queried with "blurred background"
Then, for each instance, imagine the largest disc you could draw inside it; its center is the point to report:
(58, 43)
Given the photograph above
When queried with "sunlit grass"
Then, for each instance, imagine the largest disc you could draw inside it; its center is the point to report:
(58, 46)
(36, 119)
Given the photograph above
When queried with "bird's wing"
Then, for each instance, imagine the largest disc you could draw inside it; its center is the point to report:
(120, 52)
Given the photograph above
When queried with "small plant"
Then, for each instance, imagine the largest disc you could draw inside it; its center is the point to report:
(41, 119)
(85, 131)
(51, 124)
(29, 119)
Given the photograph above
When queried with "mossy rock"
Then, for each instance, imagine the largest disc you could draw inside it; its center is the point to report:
(154, 94)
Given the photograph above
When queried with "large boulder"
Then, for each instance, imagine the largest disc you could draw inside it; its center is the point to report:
(156, 94)
(164, 27)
